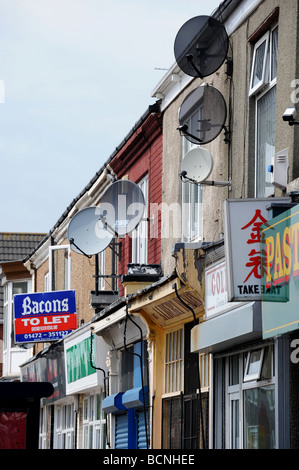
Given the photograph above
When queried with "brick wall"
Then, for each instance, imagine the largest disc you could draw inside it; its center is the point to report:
(141, 156)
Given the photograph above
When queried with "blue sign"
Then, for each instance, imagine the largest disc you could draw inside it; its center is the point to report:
(44, 316)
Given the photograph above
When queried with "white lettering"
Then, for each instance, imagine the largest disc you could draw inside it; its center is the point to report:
(30, 306)
(26, 306)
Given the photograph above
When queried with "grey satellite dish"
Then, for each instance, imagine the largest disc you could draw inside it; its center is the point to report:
(202, 115)
(197, 164)
(122, 207)
(201, 46)
(86, 232)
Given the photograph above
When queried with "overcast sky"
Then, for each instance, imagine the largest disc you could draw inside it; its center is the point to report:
(75, 76)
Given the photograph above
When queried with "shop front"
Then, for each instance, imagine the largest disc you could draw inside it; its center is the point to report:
(126, 403)
(250, 372)
(57, 423)
(180, 406)
(86, 381)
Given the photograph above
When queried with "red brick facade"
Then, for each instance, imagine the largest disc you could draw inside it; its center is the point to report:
(141, 155)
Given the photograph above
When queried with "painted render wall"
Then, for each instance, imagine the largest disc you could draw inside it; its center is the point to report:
(237, 159)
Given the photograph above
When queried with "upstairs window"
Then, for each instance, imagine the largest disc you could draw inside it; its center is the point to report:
(191, 206)
(263, 90)
(59, 268)
(140, 235)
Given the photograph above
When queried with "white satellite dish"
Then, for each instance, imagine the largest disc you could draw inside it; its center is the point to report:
(197, 164)
(86, 232)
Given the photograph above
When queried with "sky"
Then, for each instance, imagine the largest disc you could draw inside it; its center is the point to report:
(75, 77)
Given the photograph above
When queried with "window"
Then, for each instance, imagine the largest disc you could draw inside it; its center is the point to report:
(10, 290)
(174, 361)
(60, 267)
(47, 283)
(64, 426)
(94, 423)
(184, 410)
(140, 235)
(253, 365)
(191, 206)
(101, 265)
(130, 366)
(258, 72)
(45, 427)
(250, 400)
(263, 89)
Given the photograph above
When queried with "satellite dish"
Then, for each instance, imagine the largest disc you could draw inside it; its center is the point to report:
(202, 114)
(201, 46)
(197, 164)
(86, 232)
(122, 207)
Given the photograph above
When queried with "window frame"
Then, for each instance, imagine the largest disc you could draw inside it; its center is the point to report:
(258, 92)
(191, 208)
(236, 392)
(262, 82)
(68, 279)
(8, 308)
(93, 422)
(64, 426)
(139, 251)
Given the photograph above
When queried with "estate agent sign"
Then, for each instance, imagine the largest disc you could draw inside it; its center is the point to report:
(45, 316)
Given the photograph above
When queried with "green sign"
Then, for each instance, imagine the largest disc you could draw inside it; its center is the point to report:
(280, 269)
(78, 361)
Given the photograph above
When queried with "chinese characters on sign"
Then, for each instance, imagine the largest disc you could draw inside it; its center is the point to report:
(255, 255)
(243, 221)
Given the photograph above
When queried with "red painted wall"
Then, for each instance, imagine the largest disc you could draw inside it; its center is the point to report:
(141, 155)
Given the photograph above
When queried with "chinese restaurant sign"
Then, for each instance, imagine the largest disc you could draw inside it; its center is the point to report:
(243, 220)
(280, 281)
(45, 316)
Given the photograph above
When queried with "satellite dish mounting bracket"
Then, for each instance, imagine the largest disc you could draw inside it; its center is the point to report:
(185, 179)
(116, 252)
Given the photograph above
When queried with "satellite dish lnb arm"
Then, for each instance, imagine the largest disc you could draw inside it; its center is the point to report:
(189, 58)
(184, 130)
(72, 242)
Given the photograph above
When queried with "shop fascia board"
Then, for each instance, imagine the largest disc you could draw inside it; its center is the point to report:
(109, 321)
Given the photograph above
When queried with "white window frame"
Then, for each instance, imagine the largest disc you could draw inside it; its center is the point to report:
(54, 248)
(191, 208)
(174, 362)
(140, 234)
(8, 327)
(64, 425)
(93, 435)
(259, 91)
(255, 88)
(45, 427)
(253, 368)
(235, 393)
(101, 264)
